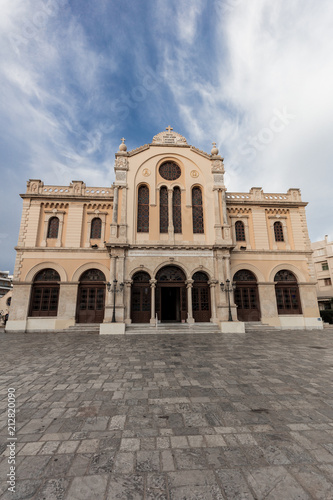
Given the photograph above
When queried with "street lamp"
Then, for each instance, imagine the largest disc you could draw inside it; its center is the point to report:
(113, 289)
(228, 287)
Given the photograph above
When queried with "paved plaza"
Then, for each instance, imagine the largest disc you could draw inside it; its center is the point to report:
(180, 417)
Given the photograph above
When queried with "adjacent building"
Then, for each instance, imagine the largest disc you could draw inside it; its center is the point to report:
(6, 282)
(323, 265)
(165, 235)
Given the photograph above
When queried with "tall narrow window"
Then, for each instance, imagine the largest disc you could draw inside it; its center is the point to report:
(177, 210)
(278, 231)
(197, 210)
(164, 216)
(240, 231)
(143, 209)
(53, 228)
(96, 228)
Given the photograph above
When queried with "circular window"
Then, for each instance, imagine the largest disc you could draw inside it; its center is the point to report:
(169, 171)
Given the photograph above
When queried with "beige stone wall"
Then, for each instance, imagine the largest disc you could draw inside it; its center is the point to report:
(122, 251)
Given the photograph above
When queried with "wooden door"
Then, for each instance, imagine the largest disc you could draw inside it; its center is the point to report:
(91, 302)
(201, 302)
(247, 301)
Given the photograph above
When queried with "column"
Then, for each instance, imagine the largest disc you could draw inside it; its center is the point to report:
(170, 214)
(88, 231)
(212, 285)
(46, 220)
(189, 284)
(123, 218)
(268, 306)
(152, 301)
(128, 290)
(285, 233)
(115, 206)
(61, 225)
(109, 295)
(218, 229)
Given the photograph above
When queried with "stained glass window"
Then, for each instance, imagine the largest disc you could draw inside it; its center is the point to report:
(278, 231)
(47, 275)
(244, 275)
(96, 228)
(143, 209)
(92, 275)
(53, 228)
(164, 215)
(177, 210)
(197, 210)
(240, 231)
(285, 275)
(169, 171)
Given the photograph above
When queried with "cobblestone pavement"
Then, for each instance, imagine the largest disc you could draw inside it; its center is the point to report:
(170, 417)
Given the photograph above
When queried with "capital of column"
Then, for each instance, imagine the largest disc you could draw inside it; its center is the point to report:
(153, 283)
(189, 283)
(128, 283)
(212, 283)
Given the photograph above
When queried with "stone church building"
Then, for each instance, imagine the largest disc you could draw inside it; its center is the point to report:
(170, 233)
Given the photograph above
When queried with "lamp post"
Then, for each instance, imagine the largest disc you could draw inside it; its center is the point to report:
(228, 287)
(113, 289)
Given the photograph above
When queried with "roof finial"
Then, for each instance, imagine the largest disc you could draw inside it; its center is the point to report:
(123, 146)
(169, 129)
(214, 150)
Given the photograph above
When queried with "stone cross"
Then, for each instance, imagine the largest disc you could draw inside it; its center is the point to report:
(169, 129)
(123, 140)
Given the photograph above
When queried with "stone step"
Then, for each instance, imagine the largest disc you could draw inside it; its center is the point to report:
(171, 328)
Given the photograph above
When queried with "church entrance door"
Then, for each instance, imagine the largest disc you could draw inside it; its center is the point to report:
(171, 296)
(91, 297)
(246, 296)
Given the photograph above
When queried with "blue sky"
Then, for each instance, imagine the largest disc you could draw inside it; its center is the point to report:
(256, 77)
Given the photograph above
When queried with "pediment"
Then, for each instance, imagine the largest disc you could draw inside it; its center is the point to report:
(169, 137)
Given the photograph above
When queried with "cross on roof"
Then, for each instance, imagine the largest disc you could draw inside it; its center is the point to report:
(214, 144)
(123, 140)
(169, 129)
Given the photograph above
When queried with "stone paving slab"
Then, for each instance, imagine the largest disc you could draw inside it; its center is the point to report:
(169, 417)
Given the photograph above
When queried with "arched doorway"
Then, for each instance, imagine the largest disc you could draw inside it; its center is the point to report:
(246, 296)
(140, 298)
(91, 297)
(201, 297)
(287, 293)
(45, 294)
(171, 296)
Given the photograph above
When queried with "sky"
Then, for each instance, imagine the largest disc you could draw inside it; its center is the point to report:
(77, 76)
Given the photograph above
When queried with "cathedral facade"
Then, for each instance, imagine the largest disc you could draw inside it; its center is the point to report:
(166, 243)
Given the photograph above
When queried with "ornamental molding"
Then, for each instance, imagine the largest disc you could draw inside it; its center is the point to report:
(121, 164)
(169, 137)
(217, 167)
(277, 211)
(238, 212)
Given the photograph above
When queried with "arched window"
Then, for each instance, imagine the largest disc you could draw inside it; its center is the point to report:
(143, 209)
(177, 210)
(96, 228)
(53, 227)
(197, 210)
(278, 231)
(287, 293)
(45, 293)
(164, 215)
(240, 231)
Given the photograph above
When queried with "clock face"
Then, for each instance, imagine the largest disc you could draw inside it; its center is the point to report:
(169, 171)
